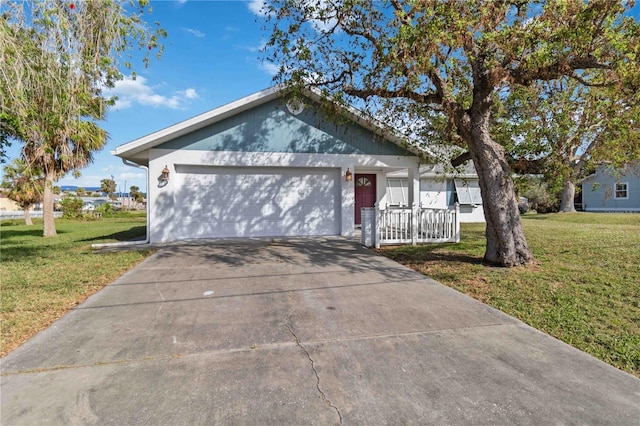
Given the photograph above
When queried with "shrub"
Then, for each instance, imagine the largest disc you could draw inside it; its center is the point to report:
(71, 207)
(106, 209)
(540, 198)
(523, 205)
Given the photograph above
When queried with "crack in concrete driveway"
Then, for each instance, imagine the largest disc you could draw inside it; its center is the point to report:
(386, 346)
(287, 324)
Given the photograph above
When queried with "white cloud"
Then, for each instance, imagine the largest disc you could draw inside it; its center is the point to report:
(190, 94)
(136, 91)
(256, 7)
(324, 25)
(131, 175)
(195, 32)
(270, 68)
(260, 8)
(258, 48)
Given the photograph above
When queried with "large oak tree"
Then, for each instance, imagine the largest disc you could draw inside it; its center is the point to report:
(563, 130)
(437, 67)
(57, 57)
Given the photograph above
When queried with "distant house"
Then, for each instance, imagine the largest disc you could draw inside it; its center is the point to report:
(7, 204)
(609, 190)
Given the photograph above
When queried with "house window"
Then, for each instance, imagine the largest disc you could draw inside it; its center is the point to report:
(621, 191)
(363, 181)
(397, 192)
(468, 192)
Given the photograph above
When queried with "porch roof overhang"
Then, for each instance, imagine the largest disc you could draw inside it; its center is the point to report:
(137, 151)
(439, 171)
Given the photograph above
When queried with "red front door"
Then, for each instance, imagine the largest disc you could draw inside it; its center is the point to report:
(365, 193)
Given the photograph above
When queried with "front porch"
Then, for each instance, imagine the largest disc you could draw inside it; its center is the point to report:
(416, 225)
(385, 223)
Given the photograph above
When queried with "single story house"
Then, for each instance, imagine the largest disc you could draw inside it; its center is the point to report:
(609, 190)
(269, 164)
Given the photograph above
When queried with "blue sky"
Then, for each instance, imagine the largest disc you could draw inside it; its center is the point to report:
(211, 58)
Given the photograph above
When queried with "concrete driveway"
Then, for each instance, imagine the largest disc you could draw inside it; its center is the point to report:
(299, 332)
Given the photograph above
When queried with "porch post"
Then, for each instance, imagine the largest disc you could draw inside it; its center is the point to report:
(376, 225)
(413, 185)
(414, 224)
(413, 178)
(457, 223)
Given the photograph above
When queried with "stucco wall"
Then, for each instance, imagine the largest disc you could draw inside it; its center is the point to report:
(164, 214)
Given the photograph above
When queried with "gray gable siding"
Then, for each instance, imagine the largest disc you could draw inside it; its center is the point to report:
(271, 128)
(598, 190)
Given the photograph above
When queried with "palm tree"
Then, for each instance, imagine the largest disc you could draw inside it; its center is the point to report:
(56, 59)
(24, 184)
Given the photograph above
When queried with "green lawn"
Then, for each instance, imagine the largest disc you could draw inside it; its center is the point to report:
(42, 278)
(584, 287)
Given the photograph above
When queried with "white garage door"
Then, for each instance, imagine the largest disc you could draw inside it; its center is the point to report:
(219, 202)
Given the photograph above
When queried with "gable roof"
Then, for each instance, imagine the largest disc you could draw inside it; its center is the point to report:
(137, 150)
(611, 172)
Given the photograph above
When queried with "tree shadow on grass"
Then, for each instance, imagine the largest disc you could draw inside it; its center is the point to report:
(13, 233)
(135, 233)
(427, 253)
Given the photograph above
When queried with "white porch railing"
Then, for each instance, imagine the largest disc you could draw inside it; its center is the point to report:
(415, 225)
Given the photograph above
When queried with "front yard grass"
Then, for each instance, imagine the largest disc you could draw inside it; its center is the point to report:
(42, 278)
(584, 287)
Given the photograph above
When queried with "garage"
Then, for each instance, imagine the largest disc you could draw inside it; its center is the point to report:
(263, 166)
(226, 202)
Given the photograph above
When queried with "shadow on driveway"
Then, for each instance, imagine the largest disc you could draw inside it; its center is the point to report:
(299, 331)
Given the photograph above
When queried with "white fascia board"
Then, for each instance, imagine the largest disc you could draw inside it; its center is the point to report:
(450, 175)
(430, 174)
(591, 176)
(279, 159)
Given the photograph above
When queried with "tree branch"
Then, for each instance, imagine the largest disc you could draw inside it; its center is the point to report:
(524, 166)
(587, 83)
(461, 159)
(556, 70)
(426, 98)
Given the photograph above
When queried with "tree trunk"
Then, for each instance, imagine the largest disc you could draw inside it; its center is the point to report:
(566, 197)
(506, 242)
(47, 208)
(27, 216)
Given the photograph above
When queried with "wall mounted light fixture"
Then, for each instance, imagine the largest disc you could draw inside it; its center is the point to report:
(348, 175)
(164, 177)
